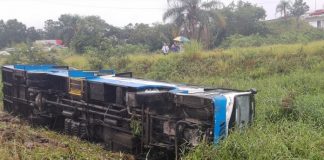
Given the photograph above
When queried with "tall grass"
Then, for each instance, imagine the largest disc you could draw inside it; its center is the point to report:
(193, 47)
(285, 75)
(276, 71)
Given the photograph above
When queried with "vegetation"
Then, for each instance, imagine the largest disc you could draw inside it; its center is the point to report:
(290, 106)
(194, 17)
(289, 78)
(285, 75)
(299, 8)
(210, 22)
(260, 40)
(280, 31)
(24, 54)
(283, 8)
(20, 141)
(283, 59)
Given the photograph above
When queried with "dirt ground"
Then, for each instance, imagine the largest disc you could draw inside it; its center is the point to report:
(12, 128)
(18, 140)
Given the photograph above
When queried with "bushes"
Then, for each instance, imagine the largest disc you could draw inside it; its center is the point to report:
(27, 55)
(256, 40)
(256, 63)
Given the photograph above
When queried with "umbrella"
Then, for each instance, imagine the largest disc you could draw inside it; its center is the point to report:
(181, 39)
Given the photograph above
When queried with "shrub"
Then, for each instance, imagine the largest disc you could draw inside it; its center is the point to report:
(28, 55)
(256, 40)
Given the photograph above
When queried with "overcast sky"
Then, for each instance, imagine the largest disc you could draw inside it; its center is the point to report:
(115, 12)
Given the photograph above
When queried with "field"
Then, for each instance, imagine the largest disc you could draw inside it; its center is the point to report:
(290, 102)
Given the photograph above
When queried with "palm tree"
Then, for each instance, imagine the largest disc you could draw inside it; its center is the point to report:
(283, 7)
(194, 16)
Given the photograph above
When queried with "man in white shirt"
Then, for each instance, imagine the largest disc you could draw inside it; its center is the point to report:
(165, 49)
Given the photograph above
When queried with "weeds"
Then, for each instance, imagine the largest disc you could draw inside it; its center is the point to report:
(290, 106)
(290, 79)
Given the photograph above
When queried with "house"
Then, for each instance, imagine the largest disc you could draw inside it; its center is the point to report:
(49, 43)
(315, 19)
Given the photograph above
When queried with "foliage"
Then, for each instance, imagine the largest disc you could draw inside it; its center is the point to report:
(25, 54)
(152, 37)
(136, 127)
(11, 32)
(282, 73)
(52, 29)
(299, 8)
(193, 47)
(90, 33)
(209, 22)
(283, 8)
(194, 16)
(288, 24)
(32, 35)
(244, 18)
(292, 73)
(284, 38)
(68, 27)
(98, 57)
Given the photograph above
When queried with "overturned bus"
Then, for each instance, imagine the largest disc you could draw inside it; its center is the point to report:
(124, 113)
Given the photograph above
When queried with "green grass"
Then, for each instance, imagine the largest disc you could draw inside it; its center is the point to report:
(281, 31)
(3, 59)
(279, 72)
(76, 61)
(285, 75)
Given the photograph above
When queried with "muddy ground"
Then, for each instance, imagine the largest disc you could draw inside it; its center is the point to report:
(18, 140)
(12, 128)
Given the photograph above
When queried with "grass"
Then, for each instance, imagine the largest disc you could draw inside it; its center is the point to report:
(76, 61)
(279, 72)
(20, 141)
(287, 76)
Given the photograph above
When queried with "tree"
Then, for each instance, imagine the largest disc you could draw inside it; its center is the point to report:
(193, 16)
(32, 34)
(68, 27)
(52, 29)
(299, 8)
(15, 32)
(90, 32)
(244, 18)
(283, 8)
(3, 41)
(24, 54)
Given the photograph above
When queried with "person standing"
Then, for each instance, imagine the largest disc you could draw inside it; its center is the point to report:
(165, 49)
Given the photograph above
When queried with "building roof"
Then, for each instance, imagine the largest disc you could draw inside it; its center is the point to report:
(317, 15)
(317, 12)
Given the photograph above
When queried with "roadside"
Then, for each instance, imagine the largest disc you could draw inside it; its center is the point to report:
(20, 141)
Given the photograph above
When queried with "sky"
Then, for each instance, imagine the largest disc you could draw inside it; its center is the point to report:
(115, 12)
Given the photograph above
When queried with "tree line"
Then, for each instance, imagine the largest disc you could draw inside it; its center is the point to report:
(207, 21)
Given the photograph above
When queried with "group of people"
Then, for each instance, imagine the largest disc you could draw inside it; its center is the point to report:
(175, 47)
